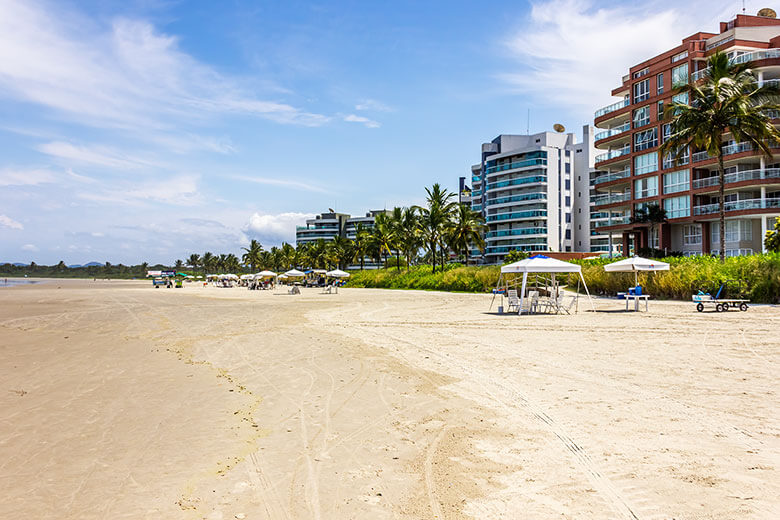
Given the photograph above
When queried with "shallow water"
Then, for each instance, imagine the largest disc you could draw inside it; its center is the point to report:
(11, 282)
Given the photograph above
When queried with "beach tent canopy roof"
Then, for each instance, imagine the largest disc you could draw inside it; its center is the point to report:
(636, 263)
(284, 276)
(294, 272)
(541, 264)
(247, 276)
(337, 273)
(265, 274)
(319, 271)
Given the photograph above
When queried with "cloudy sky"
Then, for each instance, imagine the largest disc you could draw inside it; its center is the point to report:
(146, 130)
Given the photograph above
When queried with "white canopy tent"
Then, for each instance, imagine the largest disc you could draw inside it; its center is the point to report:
(337, 273)
(318, 271)
(294, 273)
(543, 264)
(265, 274)
(636, 264)
(247, 276)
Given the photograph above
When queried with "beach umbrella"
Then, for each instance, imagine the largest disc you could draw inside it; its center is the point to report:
(265, 274)
(282, 276)
(337, 273)
(294, 273)
(636, 264)
(319, 271)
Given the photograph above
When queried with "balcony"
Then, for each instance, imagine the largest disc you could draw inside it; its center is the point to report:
(614, 221)
(612, 131)
(727, 150)
(738, 205)
(611, 108)
(519, 164)
(516, 198)
(613, 154)
(523, 247)
(517, 182)
(750, 56)
(730, 178)
(611, 177)
(517, 215)
(610, 198)
(516, 232)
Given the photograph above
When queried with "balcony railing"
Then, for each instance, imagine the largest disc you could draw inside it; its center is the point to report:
(727, 150)
(516, 215)
(613, 153)
(517, 232)
(610, 198)
(614, 221)
(746, 175)
(516, 182)
(517, 164)
(611, 177)
(516, 198)
(611, 108)
(612, 131)
(744, 58)
(523, 247)
(738, 205)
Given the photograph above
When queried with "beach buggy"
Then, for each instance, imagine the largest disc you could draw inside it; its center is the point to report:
(721, 305)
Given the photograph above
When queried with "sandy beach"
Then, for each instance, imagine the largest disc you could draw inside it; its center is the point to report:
(119, 400)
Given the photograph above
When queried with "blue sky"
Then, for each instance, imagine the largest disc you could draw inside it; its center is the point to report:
(141, 130)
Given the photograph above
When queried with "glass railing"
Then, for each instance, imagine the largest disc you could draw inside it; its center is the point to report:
(744, 58)
(610, 198)
(516, 198)
(746, 175)
(476, 207)
(613, 153)
(516, 215)
(525, 247)
(614, 221)
(516, 232)
(516, 182)
(611, 108)
(476, 193)
(727, 150)
(643, 194)
(612, 131)
(738, 205)
(611, 177)
(518, 164)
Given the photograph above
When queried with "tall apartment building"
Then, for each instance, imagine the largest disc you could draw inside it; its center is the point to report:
(632, 174)
(531, 189)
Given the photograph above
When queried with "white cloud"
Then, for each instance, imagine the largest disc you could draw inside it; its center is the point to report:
(30, 247)
(352, 118)
(127, 76)
(572, 53)
(31, 177)
(95, 155)
(295, 185)
(181, 190)
(10, 223)
(373, 105)
(274, 229)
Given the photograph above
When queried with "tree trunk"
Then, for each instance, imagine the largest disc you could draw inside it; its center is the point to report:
(722, 206)
(433, 253)
(361, 261)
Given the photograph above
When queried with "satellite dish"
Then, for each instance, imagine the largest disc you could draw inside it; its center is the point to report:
(331, 210)
(559, 128)
(767, 13)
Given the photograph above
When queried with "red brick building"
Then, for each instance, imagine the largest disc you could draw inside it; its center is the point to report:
(632, 174)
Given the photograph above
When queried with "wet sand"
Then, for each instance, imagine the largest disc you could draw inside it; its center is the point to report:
(118, 400)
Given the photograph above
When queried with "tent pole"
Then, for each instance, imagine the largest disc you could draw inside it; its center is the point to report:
(522, 294)
(494, 294)
(587, 292)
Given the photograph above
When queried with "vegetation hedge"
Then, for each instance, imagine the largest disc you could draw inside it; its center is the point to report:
(756, 277)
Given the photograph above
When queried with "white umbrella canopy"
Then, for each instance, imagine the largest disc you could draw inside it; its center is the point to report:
(337, 273)
(265, 274)
(294, 273)
(247, 276)
(283, 277)
(636, 264)
(319, 271)
(541, 264)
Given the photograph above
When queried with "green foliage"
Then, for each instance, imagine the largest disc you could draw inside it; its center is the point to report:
(515, 256)
(772, 239)
(452, 277)
(395, 261)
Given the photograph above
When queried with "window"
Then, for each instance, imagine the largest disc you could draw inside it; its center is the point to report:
(680, 98)
(659, 83)
(647, 187)
(568, 201)
(641, 90)
(666, 132)
(677, 207)
(676, 181)
(568, 218)
(679, 57)
(680, 75)
(692, 234)
(568, 168)
(660, 110)
(645, 163)
(568, 234)
(567, 184)
(640, 73)
(669, 160)
(641, 116)
(645, 139)
(736, 230)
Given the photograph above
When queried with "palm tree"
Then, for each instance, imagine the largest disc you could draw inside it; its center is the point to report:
(435, 217)
(383, 234)
(466, 229)
(288, 256)
(194, 261)
(410, 237)
(208, 262)
(252, 255)
(652, 214)
(361, 242)
(342, 251)
(728, 101)
(179, 265)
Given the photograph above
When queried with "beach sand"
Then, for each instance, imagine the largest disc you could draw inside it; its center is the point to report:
(118, 400)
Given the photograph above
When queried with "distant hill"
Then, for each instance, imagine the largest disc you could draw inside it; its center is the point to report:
(74, 266)
(93, 264)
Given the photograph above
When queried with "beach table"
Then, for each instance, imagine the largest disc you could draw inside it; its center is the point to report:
(636, 298)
